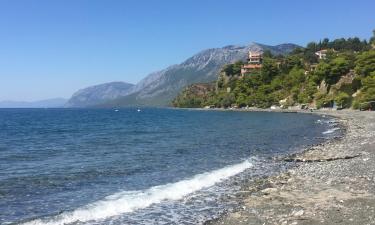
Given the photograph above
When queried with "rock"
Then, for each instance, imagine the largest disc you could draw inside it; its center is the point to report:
(269, 190)
(323, 87)
(299, 213)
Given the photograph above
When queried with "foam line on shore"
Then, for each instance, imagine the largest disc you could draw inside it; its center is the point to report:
(129, 201)
(330, 131)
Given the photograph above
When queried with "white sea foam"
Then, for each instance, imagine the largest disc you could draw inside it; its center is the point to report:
(128, 201)
(330, 131)
(325, 121)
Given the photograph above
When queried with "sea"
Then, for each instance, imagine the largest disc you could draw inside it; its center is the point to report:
(140, 166)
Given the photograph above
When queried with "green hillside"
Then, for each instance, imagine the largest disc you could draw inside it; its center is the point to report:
(345, 77)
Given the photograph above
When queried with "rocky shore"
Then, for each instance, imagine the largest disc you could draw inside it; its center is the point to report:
(332, 183)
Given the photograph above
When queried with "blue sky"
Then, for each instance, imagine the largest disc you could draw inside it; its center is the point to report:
(52, 48)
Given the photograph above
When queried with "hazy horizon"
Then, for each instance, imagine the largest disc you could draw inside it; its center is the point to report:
(52, 49)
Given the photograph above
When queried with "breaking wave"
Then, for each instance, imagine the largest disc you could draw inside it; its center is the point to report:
(330, 131)
(129, 201)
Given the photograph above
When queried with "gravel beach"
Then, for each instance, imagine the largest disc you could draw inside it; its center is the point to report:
(332, 183)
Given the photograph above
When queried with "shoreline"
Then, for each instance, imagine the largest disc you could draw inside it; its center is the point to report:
(331, 183)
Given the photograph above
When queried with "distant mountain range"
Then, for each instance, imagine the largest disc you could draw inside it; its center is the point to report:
(159, 88)
(99, 94)
(48, 103)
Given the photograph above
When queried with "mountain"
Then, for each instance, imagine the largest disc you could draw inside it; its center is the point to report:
(47, 103)
(159, 88)
(98, 94)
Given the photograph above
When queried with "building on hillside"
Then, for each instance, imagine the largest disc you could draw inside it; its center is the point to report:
(255, 57)
(254, 62)
(311, 67)
(322, 54)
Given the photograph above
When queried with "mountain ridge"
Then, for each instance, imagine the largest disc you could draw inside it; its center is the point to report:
(45, 103)
(160, 87)
(96, 94)
(201, 67)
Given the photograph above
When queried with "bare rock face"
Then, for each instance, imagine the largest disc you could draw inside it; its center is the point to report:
(323, 87)
(345, 84)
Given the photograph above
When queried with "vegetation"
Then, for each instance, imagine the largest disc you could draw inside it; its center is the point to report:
(345, 78)
(194, 96)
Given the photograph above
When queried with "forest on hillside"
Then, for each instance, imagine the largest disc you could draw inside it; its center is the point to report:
(345, 78)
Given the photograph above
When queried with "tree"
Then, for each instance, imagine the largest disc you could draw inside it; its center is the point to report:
(312, 46)
(307, 95)
(332, 71)
(339, 44)
(291, 62)
(372, 39)
(325, 43)
(294, 78)
(322, 71)
(342, 100)
(365, 63)
(310, 57)
(269, 69)
(226, 100)
(350, 56)
(267, 53)
(233, 69)
(367, 93)
(338, 67)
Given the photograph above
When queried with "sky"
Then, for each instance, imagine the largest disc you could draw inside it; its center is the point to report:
(53, 48)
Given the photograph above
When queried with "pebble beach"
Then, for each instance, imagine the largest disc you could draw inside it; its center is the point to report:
(331, 183)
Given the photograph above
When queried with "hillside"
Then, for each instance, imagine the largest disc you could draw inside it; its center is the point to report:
(159, 88)
(98, 94)
(343, 78)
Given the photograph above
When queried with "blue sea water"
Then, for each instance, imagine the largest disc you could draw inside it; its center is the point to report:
(154, 166)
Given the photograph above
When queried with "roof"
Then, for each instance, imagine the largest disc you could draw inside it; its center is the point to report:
(255, 53)
(322, 51)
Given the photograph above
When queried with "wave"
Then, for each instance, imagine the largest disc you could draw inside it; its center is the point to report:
(330, 123)
(327, 121)
(330, 131)
(129, 201)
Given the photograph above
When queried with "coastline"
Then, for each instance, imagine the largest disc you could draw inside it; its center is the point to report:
(332, 183)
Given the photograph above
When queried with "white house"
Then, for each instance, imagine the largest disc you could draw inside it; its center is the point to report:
(322, 54)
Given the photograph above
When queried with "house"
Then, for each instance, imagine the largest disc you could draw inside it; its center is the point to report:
(312, 68)
(247, 68)
(254, 62)
(255, 57)
(322, 54)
